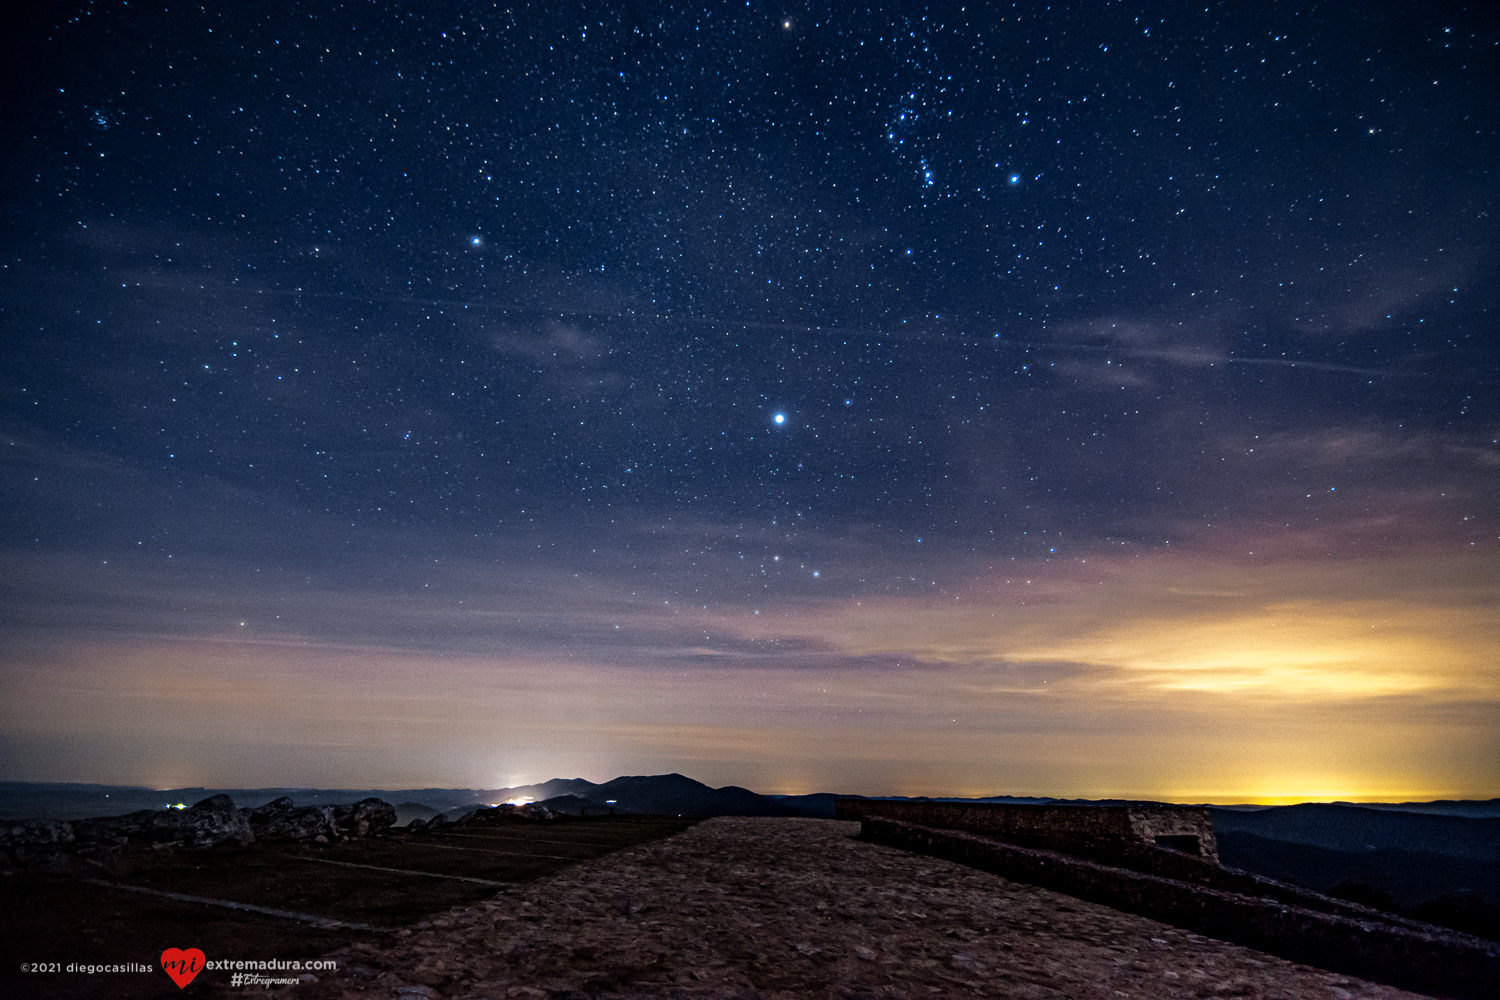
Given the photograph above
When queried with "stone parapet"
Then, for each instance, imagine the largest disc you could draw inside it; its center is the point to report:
(1400, 953)
(1089, 830)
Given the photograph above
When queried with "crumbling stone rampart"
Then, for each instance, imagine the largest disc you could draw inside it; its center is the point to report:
(1088, 830)
(1401, 953)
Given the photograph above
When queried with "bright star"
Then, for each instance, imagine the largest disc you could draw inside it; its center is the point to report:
(778, 418)
(1015, 178)
(475, 241)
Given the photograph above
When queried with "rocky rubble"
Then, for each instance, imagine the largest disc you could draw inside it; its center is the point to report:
(363, 818)
(209, 823)
(530, 812)
(282, 819)
(30, 841)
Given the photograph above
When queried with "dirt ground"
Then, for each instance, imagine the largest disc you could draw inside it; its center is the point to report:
(54, 916)
(749, 907)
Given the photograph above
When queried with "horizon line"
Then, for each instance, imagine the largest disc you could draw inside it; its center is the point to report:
(1409, 798)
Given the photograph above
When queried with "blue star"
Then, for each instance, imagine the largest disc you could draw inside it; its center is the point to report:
(778, 419)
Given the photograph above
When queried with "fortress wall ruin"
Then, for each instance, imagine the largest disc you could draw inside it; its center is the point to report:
(1090, 830)
(1401, 953)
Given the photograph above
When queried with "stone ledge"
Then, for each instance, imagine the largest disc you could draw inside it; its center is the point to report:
(1432, 960)
(1074, 828)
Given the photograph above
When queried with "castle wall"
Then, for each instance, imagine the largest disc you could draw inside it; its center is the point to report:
(1082, 829)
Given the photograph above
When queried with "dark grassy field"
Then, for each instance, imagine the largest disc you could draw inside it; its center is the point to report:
(70, 917)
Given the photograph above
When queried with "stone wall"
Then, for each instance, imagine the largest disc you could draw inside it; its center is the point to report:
(1078, 829)
(1417, 957)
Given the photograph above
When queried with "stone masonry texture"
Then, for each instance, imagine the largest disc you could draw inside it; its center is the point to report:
(1062, 827)
(782, 908)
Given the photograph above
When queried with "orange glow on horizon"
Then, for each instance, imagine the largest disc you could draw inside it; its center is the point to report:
(1164, 681)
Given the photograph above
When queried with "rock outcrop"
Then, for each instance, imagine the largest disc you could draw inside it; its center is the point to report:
(36, 841)
(365, 817)
(530, 812)
(209, 823)
(282, 819)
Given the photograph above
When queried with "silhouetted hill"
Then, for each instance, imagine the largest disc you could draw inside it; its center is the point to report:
(1410, 877)
(571, 805)
(818, 805)
(48, 800)
(1356, 829)
(663, 794)
(546, 790)
(36, 800)
(408, 811)
(1483, 809)
(669, 795)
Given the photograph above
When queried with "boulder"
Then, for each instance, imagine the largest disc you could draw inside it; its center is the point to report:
(212, 821)
(408, 811)
(215, 803)
(530, 811)
(282, 819)
(34, 841)
(113, 831)
(485, 814)
(35, 832)
(365, 817)
(207, 823)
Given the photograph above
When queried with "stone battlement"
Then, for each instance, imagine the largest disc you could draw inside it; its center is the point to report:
(1232, 906)
(1076, 829)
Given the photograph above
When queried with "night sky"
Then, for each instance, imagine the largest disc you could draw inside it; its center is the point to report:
(905, 399)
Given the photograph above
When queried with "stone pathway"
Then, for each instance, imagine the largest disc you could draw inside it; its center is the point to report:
(749, 907)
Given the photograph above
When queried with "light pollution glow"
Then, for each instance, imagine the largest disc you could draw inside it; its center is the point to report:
(1151, 677)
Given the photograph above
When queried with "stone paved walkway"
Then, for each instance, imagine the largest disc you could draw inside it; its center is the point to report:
(742, 907)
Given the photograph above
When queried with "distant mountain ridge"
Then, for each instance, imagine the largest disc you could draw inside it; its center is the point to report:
(662, 794)
(1409, 877)
(69, 801)
(668, 793)
(1359, 829)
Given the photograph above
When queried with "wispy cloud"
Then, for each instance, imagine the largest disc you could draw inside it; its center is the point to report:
(1077, 674)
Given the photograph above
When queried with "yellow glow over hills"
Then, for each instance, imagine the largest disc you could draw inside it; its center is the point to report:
(1169, 681)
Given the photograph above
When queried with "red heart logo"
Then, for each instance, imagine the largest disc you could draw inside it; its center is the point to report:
(183, 965)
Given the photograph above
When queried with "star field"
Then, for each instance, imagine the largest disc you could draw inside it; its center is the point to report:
(531, 333)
